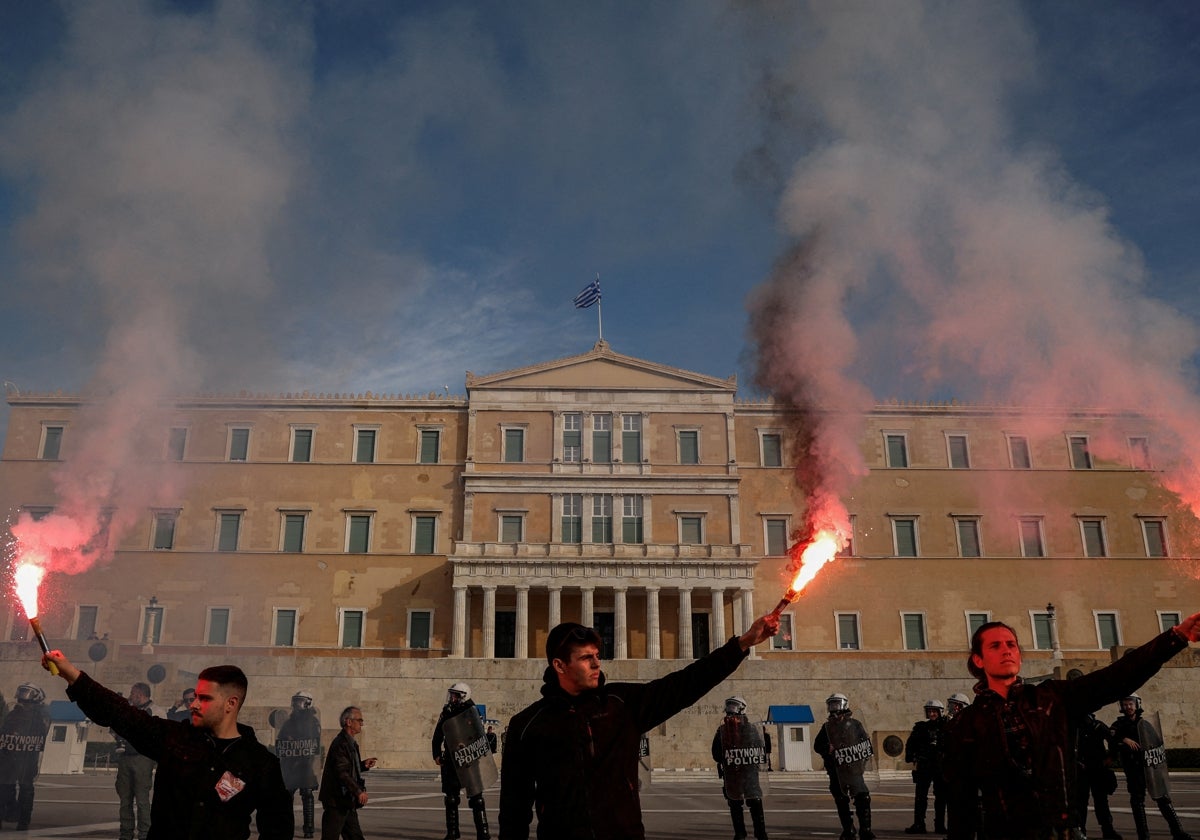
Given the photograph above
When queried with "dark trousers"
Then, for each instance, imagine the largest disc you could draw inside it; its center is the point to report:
(16, 802)
(340, 824)
(135, 776)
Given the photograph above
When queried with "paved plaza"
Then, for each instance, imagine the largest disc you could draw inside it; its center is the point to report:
(685, 805)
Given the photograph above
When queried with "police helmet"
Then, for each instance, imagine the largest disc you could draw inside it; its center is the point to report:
(735, 706)
(302, 699)
(30, 693)
(1130, 698)
(936, 705)
(458, 694)
(957, 702)
(838, 704)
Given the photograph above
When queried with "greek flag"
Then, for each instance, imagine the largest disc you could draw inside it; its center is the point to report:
(589, 296)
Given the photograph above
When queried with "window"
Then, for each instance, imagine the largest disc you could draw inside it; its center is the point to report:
(285, 628)
(689, 447)
(960, 457)
(218, 626)
(152, 622)
(358, 533)
(967, 528)
(691, 530)
(58, 734)
(424, 534)
(914, 631)
(848, 549)
(572, 438)
(85, 626)
(431, 442)
(847, 631)
(37, 514)
(1108, 631)
(1018, 452)
(1139, 453)
(772, 449)
(602, 518)
(1093, 537)
(364, 446)
(1154, 533)
(1167, 620)
(227, 536)
(302, 445)
(975, 620)
(420, 628)
(631, 438)
(350, 628)
(783, 639)
(1043, 638)
(1032, 544)
(514, 446)
(897, 449)
(572, 518)
(631, 520)
(293, 532)
(777, 537)
(239, 444)
(51, 442)
(1081, 457)
(164, 530)
(512, 528)
(176, 443)
(602, 438)
(904, 535)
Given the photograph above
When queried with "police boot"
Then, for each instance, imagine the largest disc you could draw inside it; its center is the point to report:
(1168, 812)
(862, 807)
(920, 806)
(756, 816)
(479, 812)
(452, 821)
(939, 817)
(1139, 819)
(309, 802)
(1107, 832)
(738, 817)
(847, 821)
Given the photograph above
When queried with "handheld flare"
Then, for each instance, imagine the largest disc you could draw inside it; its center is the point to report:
(788, 597)
(36, 624)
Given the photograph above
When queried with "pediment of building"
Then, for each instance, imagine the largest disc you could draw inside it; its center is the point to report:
(601, 368)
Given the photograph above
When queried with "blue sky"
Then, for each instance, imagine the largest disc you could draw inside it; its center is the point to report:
(354, 196)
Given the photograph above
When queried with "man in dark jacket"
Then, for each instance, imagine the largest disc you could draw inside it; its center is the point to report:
(1144, 761)
(574, 753)
(1013, 746)
(212, 772)
(298, 745)
(923, 750)
(343, 790)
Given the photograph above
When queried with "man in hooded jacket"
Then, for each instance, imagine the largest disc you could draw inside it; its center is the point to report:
(573, 755)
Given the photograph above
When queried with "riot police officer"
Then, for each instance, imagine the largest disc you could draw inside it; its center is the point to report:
(22, 740)
(298, 745)
(846, 748)
(460, 708)
(740, 752)
(923, 751)
(1144, 761)
(955, 704)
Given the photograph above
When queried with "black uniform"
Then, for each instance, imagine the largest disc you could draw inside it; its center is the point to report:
(22, 740)
(1095, 779)
(923, 750)
(451, 786)
(298, 745)
(1145, 769)
(754, 803)
(848, 747)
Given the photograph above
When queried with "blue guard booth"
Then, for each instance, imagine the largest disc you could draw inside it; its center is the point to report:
(790, 728)
(66, 742)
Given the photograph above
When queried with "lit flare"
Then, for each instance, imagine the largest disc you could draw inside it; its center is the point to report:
(823, 548)
(27, 579)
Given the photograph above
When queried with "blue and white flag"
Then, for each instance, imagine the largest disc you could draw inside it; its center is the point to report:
(589, 296)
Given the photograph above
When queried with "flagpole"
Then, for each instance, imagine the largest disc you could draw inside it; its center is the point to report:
(599, 312)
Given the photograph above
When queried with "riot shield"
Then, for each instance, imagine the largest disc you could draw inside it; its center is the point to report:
(853, 754)
(645, 769)
(1158, 783)
(468, 750)
(298, 744)
(743, 758)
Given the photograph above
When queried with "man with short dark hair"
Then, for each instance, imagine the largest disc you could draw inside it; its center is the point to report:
(212, 772)
(574, 753)
(182, 710)
(135, 775)
(343, 790)
(1009, 757)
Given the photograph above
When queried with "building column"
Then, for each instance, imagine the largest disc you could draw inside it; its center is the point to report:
(739, 625)
(653, 632)
(489, 622)
(748, 615)
(554, 611)
(458, 644)
(522, 644)
(718, 611)
(685, 624)
(620, 622)
(587, 605)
